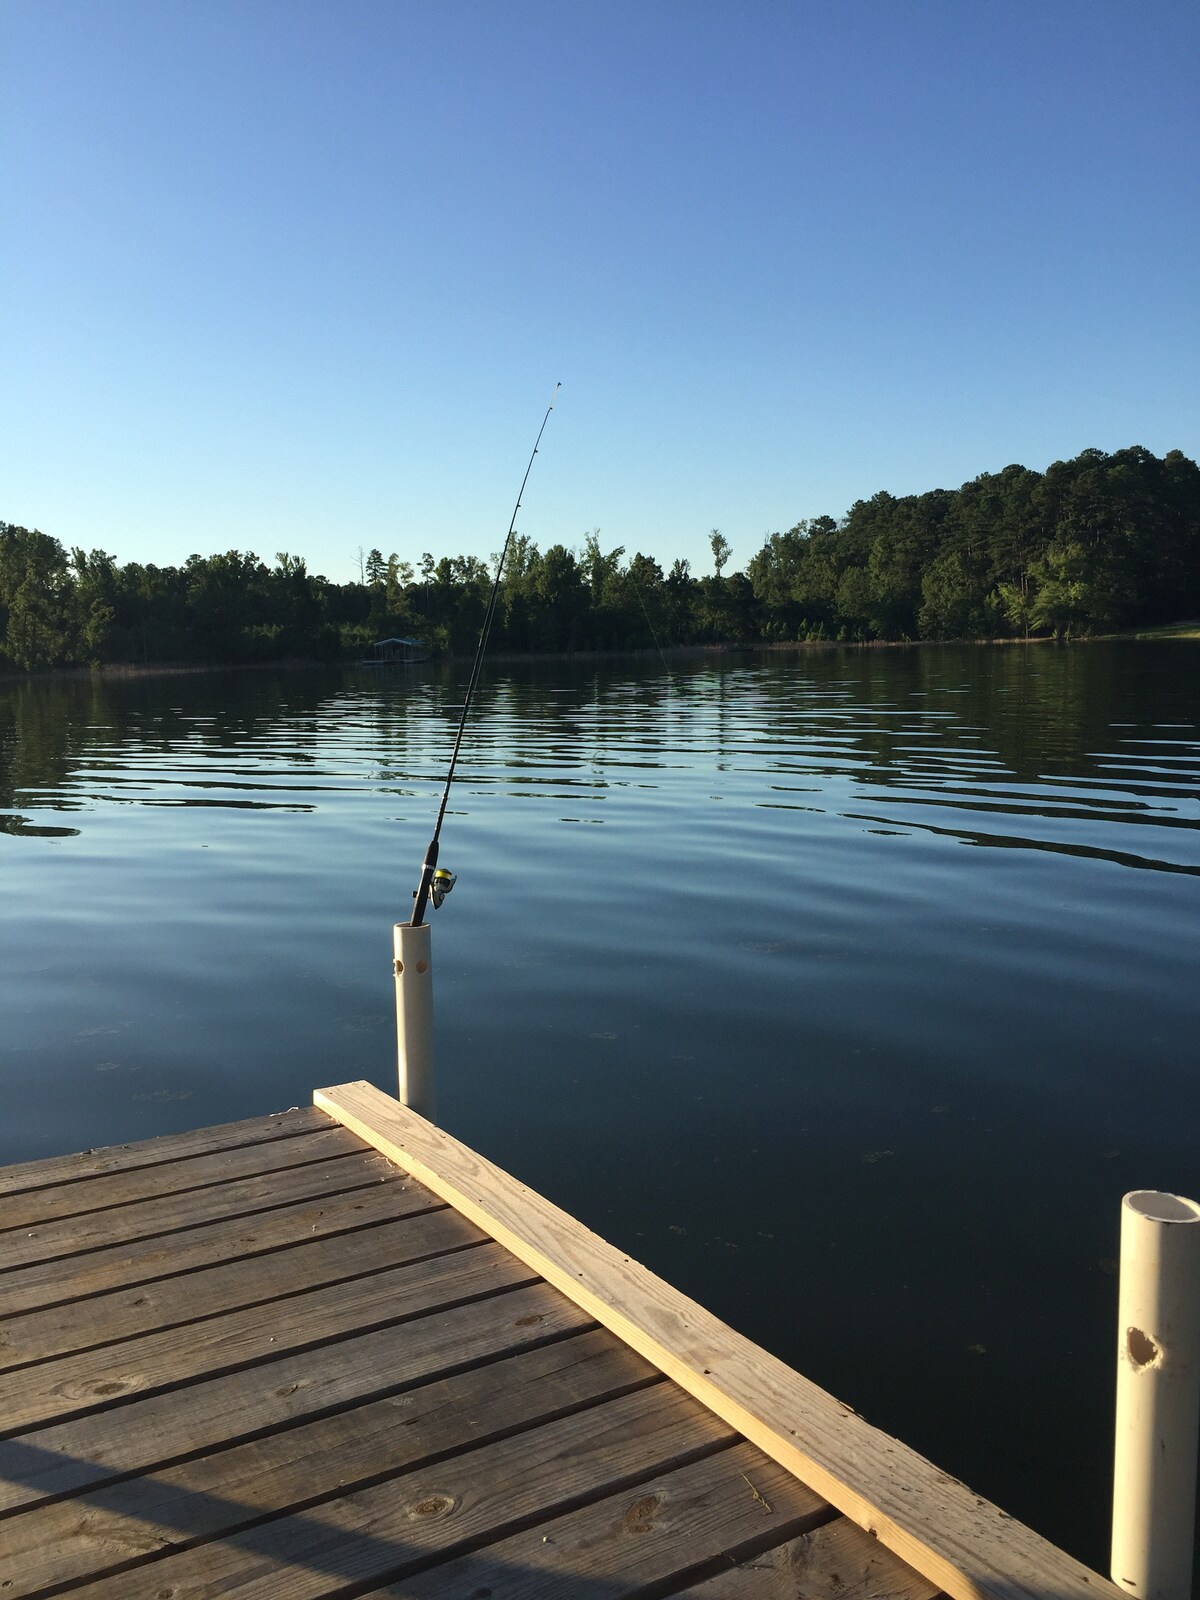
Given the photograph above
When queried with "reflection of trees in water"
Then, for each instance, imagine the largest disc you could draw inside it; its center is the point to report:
(1009, 712)
(22, 828)
(965, 739)
(1030, 713)
(1035, 730)
(43, 726)
(53, 729)
(1066, 712)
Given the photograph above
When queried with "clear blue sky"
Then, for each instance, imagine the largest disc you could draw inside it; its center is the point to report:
(297, 275)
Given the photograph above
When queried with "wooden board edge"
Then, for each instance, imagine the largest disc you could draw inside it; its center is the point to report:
(960, 1542)
(837, 1561)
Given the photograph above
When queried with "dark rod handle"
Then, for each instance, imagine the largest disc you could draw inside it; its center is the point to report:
(421, 898)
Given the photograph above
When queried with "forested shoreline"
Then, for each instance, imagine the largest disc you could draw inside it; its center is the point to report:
(1090, 545)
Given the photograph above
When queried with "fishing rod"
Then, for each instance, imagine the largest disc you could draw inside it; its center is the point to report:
(436, 883)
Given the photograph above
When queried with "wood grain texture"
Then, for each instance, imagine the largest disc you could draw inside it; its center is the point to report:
(171, 1213)
(836, 1562)
(43, 1174)
(480, 1495)
(89, 1196)
(125, 1313)
(960, 1542)
(278, 1394)
(36, 1396)
(654, 1534)
(129, 1265)
(217, 1494)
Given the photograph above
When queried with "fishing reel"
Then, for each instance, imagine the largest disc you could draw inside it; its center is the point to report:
(440, 886)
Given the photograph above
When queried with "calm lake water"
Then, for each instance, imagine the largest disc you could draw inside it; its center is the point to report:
(849, 990)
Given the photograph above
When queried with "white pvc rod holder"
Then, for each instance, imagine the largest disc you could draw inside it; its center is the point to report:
(1158, 1396)
(411, 949)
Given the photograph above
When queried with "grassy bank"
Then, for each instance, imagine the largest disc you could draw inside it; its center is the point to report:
(1169, 630)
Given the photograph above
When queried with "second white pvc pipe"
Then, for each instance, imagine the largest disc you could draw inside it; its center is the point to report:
(413, 965)
(1158, 1396)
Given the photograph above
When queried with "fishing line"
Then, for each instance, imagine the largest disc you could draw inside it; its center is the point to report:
(642, 602)
(433, 883)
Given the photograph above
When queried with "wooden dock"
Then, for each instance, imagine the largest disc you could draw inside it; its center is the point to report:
(334, 1352)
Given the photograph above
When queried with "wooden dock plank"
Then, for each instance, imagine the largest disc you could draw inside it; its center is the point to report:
(424, 1516)
(215, 1495)
(961, 1543)
(839, 1561)
(52, 1170)
(657, 1533)
(213, 1413)
(167, 1256)
(89, 1196)
(171, 1213)
(56, 1390)
(38, 1336)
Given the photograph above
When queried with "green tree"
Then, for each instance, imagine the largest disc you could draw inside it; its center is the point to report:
(1099, 541)
(517, 603)
(815, 580)
(397, 582)
(95, 605)
(607, 624)
(774, 572)
(679, 588)
(562, 598)
(227, 600)
(854, 603)
(953, 598)
(1061, 601)
(33, 637)
(36, 598)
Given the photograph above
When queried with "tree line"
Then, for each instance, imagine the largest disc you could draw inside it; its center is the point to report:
(1092, 544)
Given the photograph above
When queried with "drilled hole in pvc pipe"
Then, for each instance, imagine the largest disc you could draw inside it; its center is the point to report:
(1162, 1207)
(1143, 1352)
